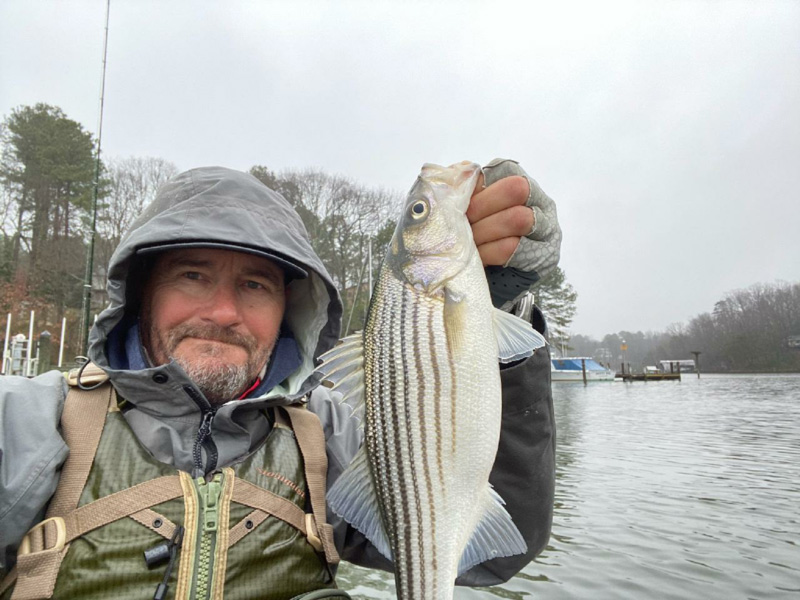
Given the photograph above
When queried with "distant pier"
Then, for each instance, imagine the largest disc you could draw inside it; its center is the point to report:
(675, 368)
(649, 376)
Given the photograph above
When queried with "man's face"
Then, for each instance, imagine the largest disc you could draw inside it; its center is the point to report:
(217, 313)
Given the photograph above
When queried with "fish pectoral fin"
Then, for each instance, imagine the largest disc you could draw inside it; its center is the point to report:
(494, 537)
(455, 316)
(343, 366)
(516, 338)
(353, 498)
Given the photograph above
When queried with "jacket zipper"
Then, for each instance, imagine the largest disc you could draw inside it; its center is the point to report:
(208, 522)
(203, 439)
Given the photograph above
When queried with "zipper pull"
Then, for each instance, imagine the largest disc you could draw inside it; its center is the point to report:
(205, 425)
(175, 543)
(203, 432)
(209, 499)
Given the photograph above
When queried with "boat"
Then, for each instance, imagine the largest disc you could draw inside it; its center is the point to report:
(570, 368)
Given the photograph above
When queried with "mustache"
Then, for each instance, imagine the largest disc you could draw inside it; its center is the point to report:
(211, 332)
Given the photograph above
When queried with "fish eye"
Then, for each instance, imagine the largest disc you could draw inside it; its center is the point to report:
(419, 209)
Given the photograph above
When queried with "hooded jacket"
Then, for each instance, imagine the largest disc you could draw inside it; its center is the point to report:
(211, 206)
(220, 207)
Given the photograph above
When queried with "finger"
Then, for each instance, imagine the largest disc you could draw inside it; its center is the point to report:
(514, 221)
(479, 186)
(498, 252)
(510, 191)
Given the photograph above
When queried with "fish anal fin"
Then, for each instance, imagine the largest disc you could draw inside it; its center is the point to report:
(494, 537)
(353, 498)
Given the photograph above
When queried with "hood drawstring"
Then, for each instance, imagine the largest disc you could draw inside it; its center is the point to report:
(250, 389)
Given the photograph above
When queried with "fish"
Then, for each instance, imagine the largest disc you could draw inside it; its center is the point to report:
(423, 378)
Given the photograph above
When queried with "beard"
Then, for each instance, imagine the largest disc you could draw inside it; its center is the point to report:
(219, 381)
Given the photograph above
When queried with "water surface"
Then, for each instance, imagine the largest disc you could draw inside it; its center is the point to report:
(665, 490)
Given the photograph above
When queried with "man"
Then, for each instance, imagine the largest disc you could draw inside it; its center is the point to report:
(200, 457)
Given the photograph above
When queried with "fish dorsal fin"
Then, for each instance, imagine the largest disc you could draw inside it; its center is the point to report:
(495, 536)
(353, 498)
(343, 366)
(516, 339)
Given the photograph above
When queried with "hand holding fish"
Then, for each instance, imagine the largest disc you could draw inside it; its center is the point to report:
(516, 229)
(499, 218)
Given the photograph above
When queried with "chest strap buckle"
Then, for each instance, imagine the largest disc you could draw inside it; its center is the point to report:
(50, 534)
(312, 533)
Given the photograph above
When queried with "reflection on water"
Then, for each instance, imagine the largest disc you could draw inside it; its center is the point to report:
(668, 490)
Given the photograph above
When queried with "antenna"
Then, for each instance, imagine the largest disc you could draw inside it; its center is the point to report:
(87, 280)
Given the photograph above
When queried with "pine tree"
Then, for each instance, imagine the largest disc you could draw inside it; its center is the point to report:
(47, 170)
(557, 299)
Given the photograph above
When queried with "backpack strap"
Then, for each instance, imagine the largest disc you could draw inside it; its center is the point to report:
(82, 425)
(45, 545)
(266, 502)
(311, 440)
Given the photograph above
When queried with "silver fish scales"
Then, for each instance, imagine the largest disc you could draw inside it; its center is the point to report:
(424, 376)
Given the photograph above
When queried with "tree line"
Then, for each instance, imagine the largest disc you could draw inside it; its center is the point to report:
(47, 179)
(749, 330)
(47, 182)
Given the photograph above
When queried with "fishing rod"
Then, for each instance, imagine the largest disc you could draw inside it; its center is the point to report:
(87, 280)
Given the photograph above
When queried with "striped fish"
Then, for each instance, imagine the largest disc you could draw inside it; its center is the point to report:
(424, 378)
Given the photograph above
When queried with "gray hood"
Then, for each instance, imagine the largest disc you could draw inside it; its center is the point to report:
(214, 205)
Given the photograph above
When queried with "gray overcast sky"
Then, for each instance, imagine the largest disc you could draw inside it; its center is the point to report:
(667, 132)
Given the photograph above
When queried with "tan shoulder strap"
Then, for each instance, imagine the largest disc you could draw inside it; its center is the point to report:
(82, 422)
(82, 425)
(311, 439)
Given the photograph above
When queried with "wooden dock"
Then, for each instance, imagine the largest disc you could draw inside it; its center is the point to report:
(649, 376)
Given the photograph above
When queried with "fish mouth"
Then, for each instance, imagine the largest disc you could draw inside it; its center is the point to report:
(452, 176)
